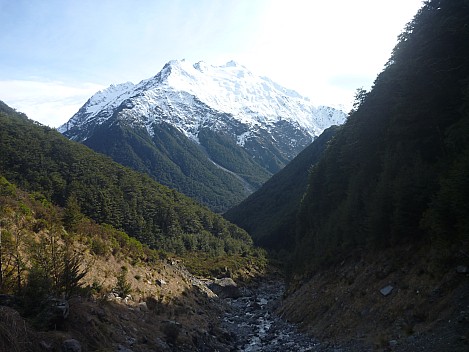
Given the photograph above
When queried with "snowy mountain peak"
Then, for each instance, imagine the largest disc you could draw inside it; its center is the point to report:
(181, 89)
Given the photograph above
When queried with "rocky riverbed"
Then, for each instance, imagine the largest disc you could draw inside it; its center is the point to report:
(252, 321)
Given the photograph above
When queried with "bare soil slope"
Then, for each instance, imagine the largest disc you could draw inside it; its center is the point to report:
(404, 299)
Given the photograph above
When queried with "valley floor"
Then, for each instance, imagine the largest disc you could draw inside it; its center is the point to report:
(338, 309)
(255, 326)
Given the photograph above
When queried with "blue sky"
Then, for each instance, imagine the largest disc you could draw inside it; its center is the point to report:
(57, 53)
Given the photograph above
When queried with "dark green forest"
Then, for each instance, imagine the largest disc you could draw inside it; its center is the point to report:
(398, 170)
(175, 161)
(66, 173)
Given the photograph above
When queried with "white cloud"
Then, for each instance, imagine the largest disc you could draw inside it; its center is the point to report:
(51, 103)
(327, 49)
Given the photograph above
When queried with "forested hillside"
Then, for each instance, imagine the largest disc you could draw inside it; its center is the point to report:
(39, 159)
(177, 162)
(269, 214)
(61, 285)
(38, 257)
(398, 171)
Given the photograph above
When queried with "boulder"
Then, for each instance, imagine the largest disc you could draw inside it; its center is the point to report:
(143, 306)
(71, 345)
(386, 291)
(111, 296)
(225, 288)
(160, 282)
(202, 287)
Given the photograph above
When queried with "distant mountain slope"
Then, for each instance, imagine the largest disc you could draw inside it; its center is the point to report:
(215, 133)
(37, 158)
(269, 214)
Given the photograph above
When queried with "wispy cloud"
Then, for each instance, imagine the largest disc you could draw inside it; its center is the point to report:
(52, 103)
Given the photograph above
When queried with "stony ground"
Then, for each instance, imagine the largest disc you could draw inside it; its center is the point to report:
(340, 309)
(405, 299)
(251, 319)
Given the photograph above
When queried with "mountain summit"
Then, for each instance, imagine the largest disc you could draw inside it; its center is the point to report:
(257, 102)
(245, 127)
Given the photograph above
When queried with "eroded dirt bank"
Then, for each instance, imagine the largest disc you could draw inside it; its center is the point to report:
(402, 300)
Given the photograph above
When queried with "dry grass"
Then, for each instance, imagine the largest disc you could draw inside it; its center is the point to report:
(15, 333)
(161, 291)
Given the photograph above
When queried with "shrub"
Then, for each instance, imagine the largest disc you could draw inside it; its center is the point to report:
(123, 287)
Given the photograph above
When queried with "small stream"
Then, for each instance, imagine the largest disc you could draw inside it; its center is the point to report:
(253, 320)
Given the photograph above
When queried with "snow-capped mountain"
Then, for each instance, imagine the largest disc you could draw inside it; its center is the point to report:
(227, 113)
(254, 101)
